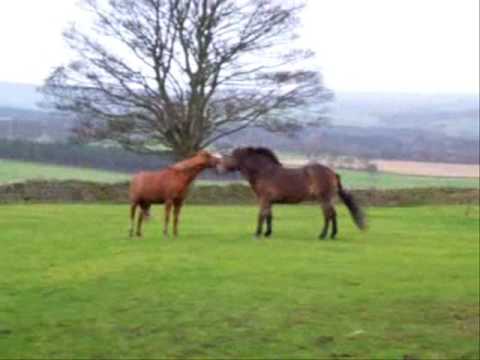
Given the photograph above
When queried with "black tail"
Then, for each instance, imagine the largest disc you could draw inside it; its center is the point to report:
(355, 210)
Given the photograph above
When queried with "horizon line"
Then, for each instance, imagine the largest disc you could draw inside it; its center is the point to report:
(339, 91)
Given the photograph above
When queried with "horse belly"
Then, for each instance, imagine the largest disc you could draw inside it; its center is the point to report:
(159, 193)
(292, 197)
(153, 188)
(288, 190)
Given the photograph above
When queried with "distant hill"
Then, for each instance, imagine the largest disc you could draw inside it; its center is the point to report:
(448, 114)
(23, 96)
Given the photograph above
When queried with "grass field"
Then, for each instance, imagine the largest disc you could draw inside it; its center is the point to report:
(74, 286)
(363, 180)
(17, 171)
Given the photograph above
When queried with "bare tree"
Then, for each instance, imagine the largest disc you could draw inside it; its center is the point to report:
(184, 73)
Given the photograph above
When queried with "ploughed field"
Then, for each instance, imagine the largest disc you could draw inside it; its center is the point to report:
(73, 284)
(429, 168)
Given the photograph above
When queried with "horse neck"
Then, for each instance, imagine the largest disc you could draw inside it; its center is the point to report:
(190, 167)
(252, 173)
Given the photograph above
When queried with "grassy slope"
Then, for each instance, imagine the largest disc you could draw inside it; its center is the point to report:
(74, 286)
(16, 171)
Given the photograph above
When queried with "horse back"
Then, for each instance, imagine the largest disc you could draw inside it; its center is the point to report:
(293, 185)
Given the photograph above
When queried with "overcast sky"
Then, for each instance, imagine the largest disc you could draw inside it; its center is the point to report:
(415, 46)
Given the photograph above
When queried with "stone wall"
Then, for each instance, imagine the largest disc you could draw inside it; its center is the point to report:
(81, 191)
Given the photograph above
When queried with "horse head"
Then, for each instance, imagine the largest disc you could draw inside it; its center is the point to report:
(208, 159)
(248, 157)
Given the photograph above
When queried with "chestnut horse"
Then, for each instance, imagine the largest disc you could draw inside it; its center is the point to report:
(168, 186)
(273, 183)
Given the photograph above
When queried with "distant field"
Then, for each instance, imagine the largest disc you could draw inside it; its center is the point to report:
(73, 285)
(428, 168)
(17, 171)
(364, 180)
(415, 168)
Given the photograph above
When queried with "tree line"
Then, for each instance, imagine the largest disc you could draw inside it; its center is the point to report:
(107, 158)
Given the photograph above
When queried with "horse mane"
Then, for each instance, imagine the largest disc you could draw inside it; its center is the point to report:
(187, 163)
(265, 152)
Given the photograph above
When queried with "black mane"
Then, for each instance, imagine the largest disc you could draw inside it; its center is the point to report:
(265, 152)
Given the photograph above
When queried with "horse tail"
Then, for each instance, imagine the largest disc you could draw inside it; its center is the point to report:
(355, 210)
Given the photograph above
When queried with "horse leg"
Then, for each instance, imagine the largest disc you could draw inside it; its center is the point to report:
(262, 215)
(177, 206)
(139, 224)
(133, 208)
(168, 208)
(258, 232)
(326, 218)
(333, 218)
(269, 218)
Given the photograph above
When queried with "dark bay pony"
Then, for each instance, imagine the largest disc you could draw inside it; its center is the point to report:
(168, 186)
(273, 183)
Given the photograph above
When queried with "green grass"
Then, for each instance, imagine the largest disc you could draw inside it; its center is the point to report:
(19, 171)
(73, 285)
